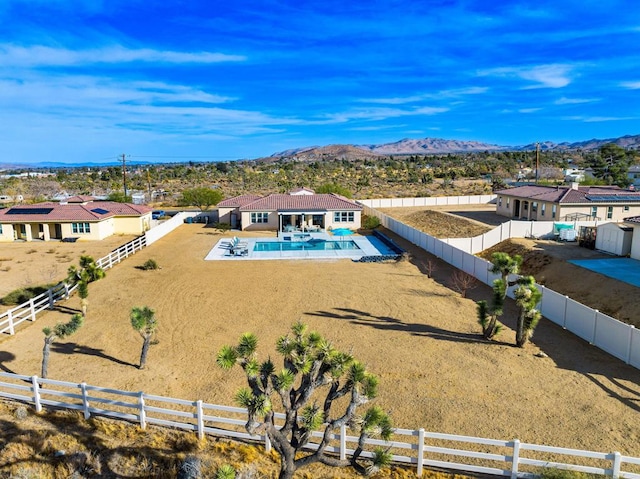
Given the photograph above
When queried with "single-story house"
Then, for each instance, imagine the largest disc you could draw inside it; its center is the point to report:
(562, 203)
(634, 222)
(298, 210)
(80, 217)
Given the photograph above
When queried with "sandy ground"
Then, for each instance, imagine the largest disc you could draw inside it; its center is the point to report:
(418, 335)
(40, 262)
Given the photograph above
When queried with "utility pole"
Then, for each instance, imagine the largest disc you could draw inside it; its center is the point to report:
(149, 185)
(537, 160)
(124, 176)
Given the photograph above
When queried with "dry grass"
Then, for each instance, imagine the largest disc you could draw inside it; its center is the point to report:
(58, 444)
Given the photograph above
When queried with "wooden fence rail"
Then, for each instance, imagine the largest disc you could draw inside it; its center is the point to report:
(418, 448)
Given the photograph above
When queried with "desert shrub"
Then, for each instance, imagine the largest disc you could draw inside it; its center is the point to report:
(554, 473)
(150, 264)
(222, 226)
(370, 222)
(21, 295)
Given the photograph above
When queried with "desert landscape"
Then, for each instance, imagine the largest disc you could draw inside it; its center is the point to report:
(418, 335)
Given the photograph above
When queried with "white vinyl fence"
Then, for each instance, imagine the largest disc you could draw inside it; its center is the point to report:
(418, 448)
(29, 309)
(428, 201)
(615, 337)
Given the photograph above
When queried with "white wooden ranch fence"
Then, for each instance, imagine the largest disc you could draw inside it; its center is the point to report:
(615, 337)
(419, 448)
(29, 309)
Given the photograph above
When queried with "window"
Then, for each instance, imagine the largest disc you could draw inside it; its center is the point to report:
(79, 228)
(609, 212)
(262, 217)
(0, 229)
(594, 211)
(534, 207)
(554, 209)
(343, 217)
(626, 208)
(543, 207)
(500, 201)
(508, 202)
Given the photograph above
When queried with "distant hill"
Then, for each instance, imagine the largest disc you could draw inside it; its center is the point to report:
(427, 146)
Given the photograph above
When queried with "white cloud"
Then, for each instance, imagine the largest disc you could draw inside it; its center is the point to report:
(453, 93)
(596, 119)
(574, 101)
(376, 114)
(631, 85)
(39, 56)
(543, 76)
(529, 110)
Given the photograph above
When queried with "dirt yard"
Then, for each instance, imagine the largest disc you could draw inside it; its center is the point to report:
(41, 262)
(418, 335)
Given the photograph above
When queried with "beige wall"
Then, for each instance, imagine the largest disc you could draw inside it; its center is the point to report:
(131, 225)
(271, 225)
(224, 215)
(7, 233)
(357, 220)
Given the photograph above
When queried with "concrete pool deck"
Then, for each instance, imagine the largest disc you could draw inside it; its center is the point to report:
(622, 269)
(220, 252)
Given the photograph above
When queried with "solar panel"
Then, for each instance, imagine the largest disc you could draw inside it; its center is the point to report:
(606, 198)
(29, 211)
(100, 211)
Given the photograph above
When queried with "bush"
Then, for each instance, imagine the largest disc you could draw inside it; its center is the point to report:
(22, 295)
(370, 222)
(222, 226)
(150, 264)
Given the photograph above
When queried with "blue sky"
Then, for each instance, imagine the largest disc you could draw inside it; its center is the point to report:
(87, 80)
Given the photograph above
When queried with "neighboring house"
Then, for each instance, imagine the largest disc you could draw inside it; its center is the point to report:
(78, 217)
(633, 174)
(300, 209)
(634, 221)
(562, 203)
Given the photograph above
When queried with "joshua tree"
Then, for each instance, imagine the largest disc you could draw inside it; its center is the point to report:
(87, 271)
(60, 330)
(527, 297)
(310, 363)
(144, 321)
(83, 292)
(504, 265)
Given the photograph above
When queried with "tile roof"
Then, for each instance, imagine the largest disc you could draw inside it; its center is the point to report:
(567, 195)
(632, 219)
(321, 202)
(49, 211)
(79, 199)
(238, 201)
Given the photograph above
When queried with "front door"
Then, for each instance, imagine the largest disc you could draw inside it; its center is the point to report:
(516, 207)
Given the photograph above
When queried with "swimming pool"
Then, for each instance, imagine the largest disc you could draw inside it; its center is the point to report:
(311, 245)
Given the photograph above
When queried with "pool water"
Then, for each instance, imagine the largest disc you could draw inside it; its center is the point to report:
(313, 245)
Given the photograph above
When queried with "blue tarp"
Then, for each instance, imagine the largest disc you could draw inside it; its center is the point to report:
(622, 269)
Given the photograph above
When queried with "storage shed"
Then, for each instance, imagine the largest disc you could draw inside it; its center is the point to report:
(614, 238)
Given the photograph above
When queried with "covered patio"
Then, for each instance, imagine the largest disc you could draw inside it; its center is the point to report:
(301, 221)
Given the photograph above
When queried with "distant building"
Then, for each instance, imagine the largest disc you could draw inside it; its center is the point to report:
(548, 203)
(299, 210)
(78, 217)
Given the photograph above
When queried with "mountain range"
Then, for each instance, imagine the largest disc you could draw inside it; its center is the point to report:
(406, 146)
(425, 146)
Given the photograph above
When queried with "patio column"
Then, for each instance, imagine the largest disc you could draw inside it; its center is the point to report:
(46, 236)
(28, 232)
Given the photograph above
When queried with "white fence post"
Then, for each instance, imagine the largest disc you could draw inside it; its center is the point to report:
(143, 414)
(617, 460)
(85, 400)
(32, 308)
(420, 452)
(595, 326)
(36, 393)
(267, 443)
(630, 350)
(200, 419)
(564, 316)
(343, 442)
(515, 459)
(10, 317)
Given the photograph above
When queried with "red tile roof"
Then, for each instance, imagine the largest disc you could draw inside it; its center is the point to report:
(632, 219)
(321, 202)
(238, 201)
(89, 212)
(567, 195)
(79, 199)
